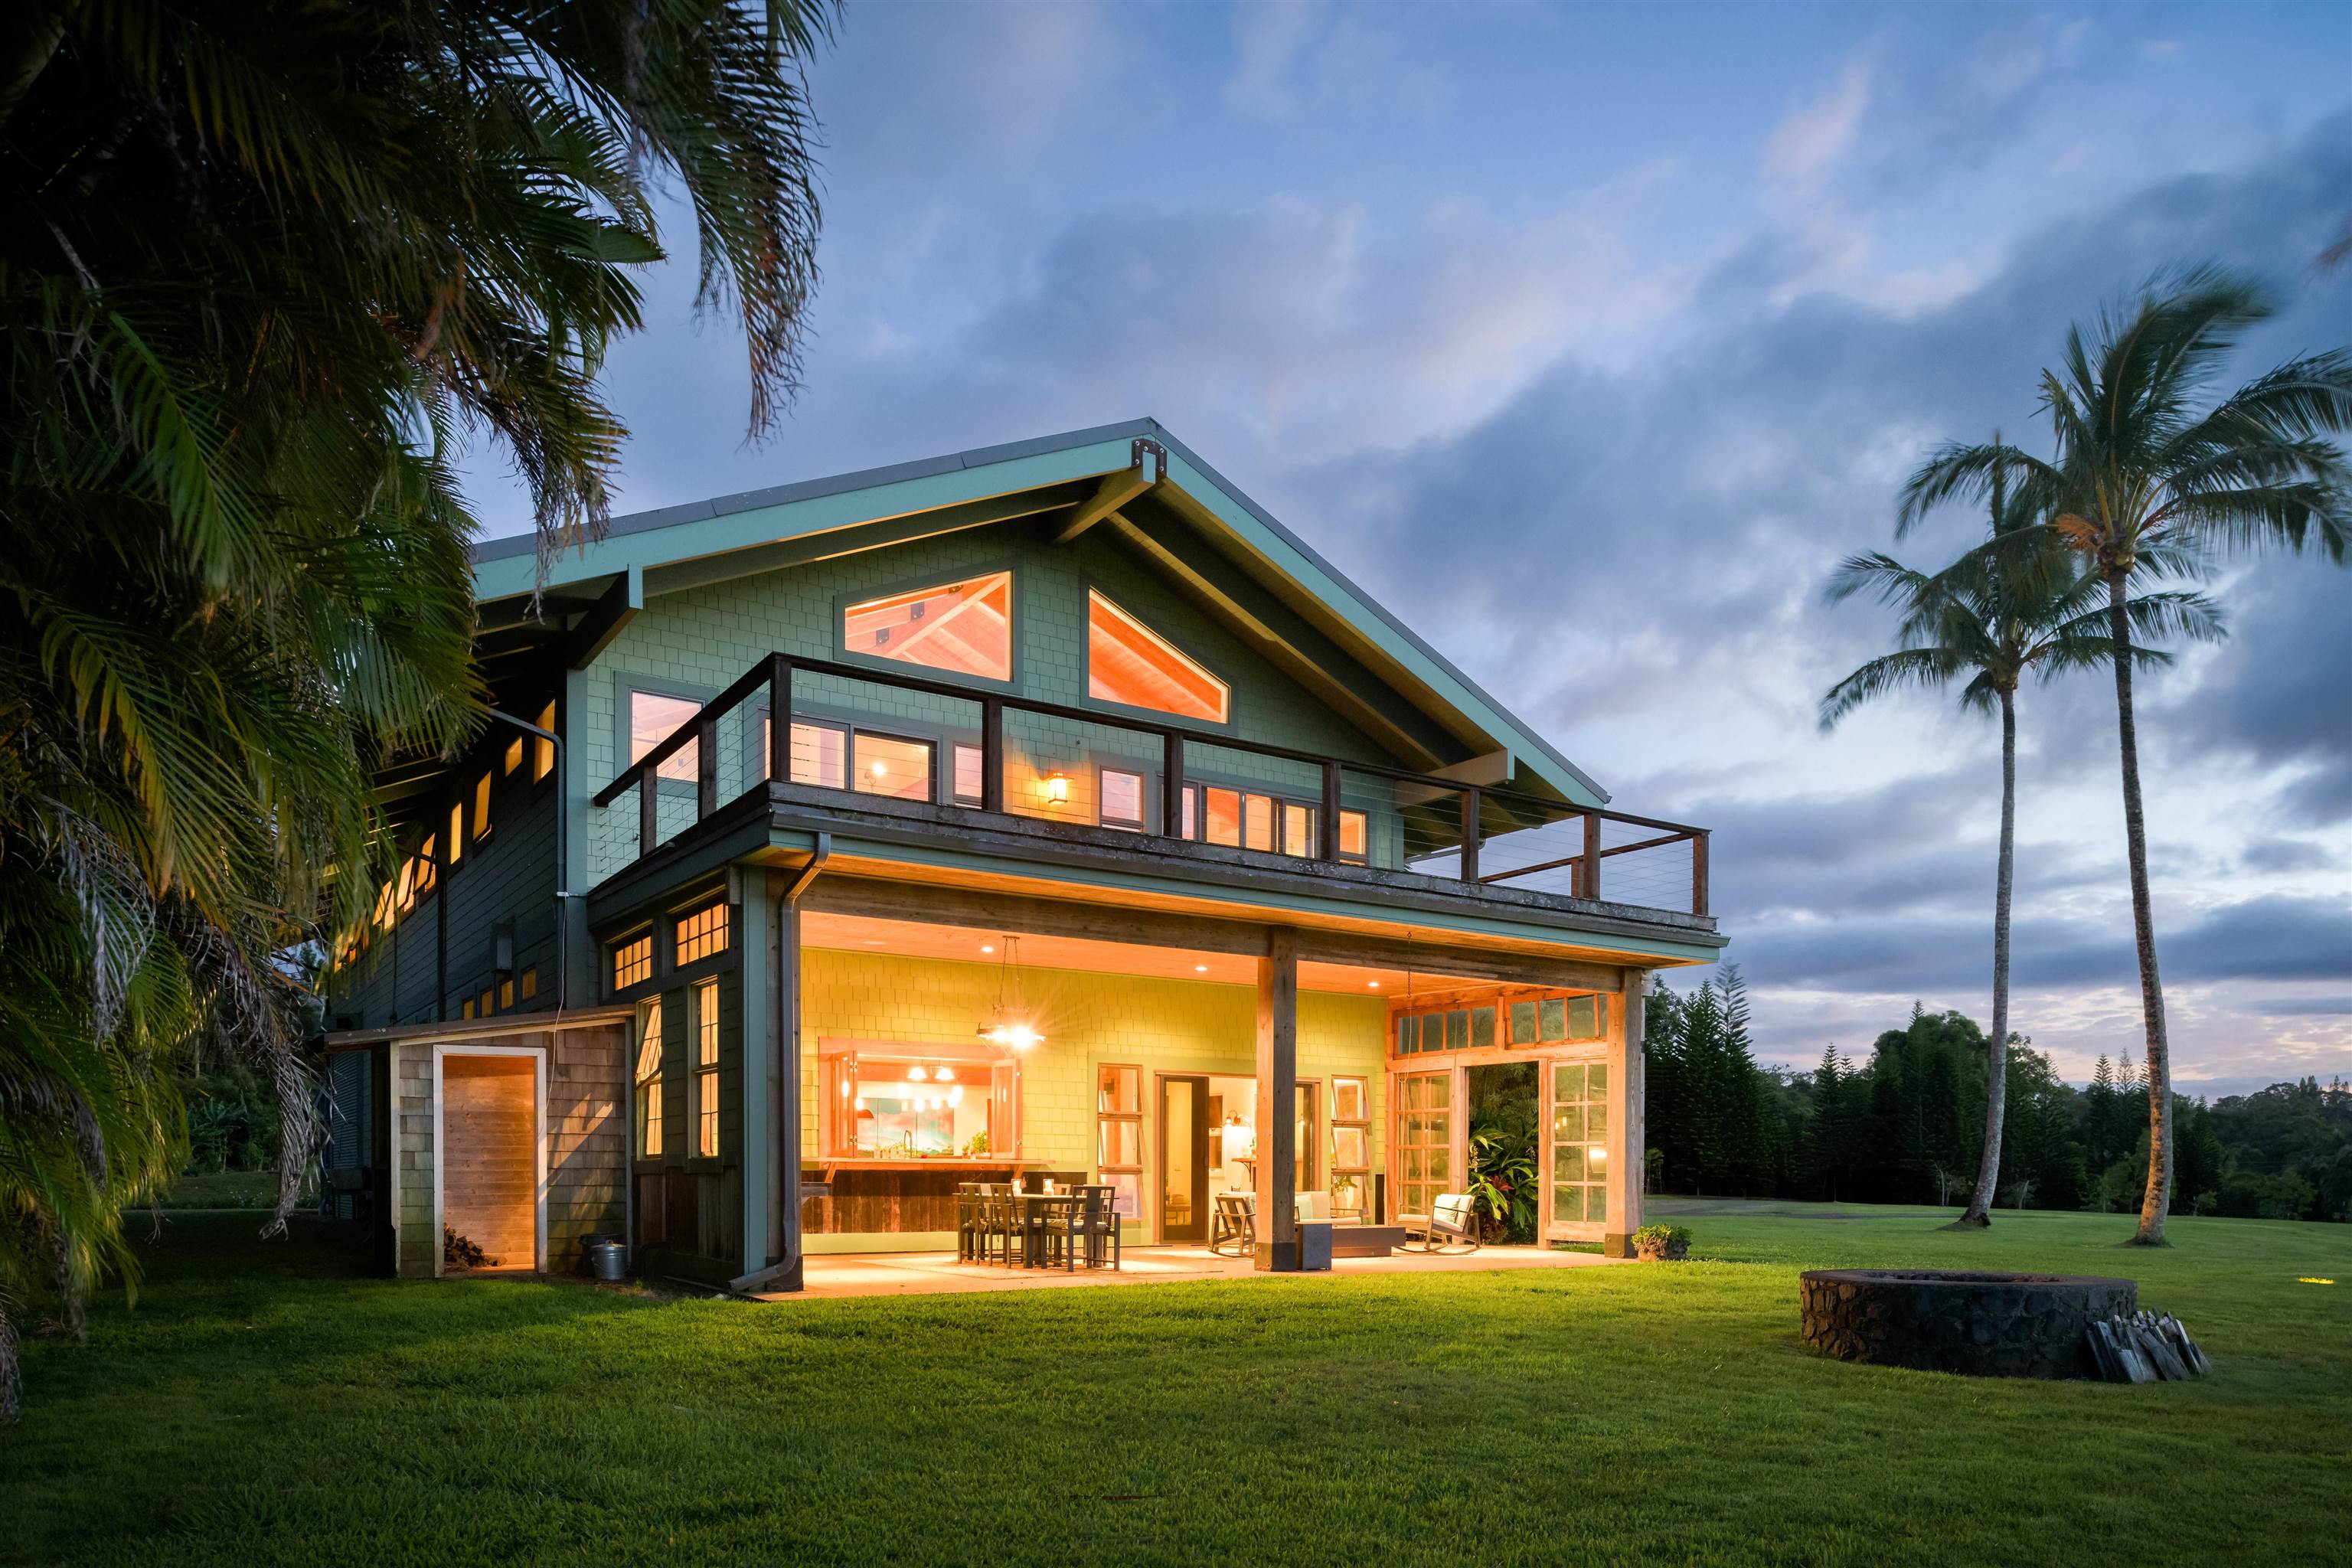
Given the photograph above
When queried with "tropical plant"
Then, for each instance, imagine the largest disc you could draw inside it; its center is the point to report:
(1657, 1242)
(2147, 479)
(261, 268)
(2014, 607)
(1503, 1179)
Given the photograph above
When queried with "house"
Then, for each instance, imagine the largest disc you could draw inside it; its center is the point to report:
(1113, 835)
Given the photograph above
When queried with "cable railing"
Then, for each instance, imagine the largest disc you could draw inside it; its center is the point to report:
(878, 733)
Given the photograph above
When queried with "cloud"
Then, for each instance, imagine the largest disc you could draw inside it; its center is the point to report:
(2277, 697)
(1819, 132)
(1303, 56)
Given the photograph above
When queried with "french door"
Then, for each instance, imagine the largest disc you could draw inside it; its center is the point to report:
(1183, 1163)
(1576, 1150)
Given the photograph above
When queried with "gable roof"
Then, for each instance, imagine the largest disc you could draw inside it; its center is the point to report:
(1303, 610)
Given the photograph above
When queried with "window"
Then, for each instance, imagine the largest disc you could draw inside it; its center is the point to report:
(633, 960)
(405, 897)
(1351, 1147)
(531, 983)
(901, 1101)
(1355, 838)
(506, 995)
(457, 831)
(467, 1010)
(1580, 1141)
(1450, 1029)
(482, 1003)
(702, 933)
(1551, 1020)
(514, 754)
(428, 864)
(1132, 665)
(542, 755)
(819, 753)
(1298, 830)
(965, 627)
(1121, 795)
(1425, 1140)
(705, 1067)
(889, 765)
(970, 780)
(650, 1078)
(652, 719)
(1119, 1135)
(481, 808)
(1242, 820)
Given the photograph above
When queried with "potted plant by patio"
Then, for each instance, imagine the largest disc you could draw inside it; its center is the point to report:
(1661, 1243)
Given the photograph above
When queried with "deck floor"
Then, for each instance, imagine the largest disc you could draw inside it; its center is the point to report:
(840, 1275)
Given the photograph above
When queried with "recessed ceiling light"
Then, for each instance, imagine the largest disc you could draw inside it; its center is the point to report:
(988, 947)
(1199, 969)
(1373, 983)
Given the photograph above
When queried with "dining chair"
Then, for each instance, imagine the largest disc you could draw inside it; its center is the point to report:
(1098, 1224)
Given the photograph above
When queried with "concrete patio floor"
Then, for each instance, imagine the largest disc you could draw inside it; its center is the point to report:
(840, 1275)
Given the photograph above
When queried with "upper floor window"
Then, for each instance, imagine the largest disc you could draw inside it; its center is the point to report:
(702, 933)
(963, 627)
(633, 960)
(543, 756)
(650, 1078)
(1132, 665)
(652, 718)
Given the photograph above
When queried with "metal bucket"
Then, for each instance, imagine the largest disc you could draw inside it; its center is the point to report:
(608, 1260)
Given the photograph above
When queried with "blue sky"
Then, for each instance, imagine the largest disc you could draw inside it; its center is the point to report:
(1665, 301)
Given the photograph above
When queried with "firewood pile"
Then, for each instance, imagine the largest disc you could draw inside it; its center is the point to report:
(2146, 1347)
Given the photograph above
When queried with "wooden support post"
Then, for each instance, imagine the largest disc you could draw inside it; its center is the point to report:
(784, 1092)
(779, 719)
(1698, 874)
(1277, 1102)
(648, 811)
(991, 754)
(1172, 786)
(1328, 849)
(1628, 1133)
(1593, 854)
(705, 765)
(1470, 835)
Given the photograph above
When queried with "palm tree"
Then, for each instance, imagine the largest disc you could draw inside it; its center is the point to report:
(261, 267)
(2149, 478)
(2012, 606)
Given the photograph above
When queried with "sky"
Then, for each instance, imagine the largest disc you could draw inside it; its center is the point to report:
(1589, 339)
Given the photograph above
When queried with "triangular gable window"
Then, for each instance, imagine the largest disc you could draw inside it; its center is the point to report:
(965, 628)
(1129, 664)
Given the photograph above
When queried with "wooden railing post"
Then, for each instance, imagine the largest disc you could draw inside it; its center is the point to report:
(991, 754)
(1171, 785)
(1698, 873)
(705, 765)
(1591, 854)
(1470, 834)
(1328, 849)
(648, 810)
(779, 719)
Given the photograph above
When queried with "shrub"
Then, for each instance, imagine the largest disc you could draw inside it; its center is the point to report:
(1656, 1242)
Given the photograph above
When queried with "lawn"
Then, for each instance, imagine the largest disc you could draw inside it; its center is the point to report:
(223, 1190)
(262, 1406)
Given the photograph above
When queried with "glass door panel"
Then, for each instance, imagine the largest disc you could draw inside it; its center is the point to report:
(1184, 1159)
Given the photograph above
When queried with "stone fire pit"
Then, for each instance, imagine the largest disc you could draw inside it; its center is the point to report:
(1986, 1325)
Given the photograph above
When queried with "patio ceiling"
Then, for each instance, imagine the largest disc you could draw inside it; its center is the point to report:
(965, 944)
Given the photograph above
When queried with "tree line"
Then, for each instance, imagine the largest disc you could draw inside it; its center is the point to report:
(1907, 1123)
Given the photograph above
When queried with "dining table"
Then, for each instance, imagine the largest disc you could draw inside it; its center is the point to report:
(1042, 1214)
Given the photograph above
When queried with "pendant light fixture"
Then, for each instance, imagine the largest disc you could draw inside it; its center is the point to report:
(1009, 1025)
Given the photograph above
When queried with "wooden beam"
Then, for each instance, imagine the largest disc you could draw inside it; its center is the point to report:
(1115, 491)
(729, 565)
(971, 908)
(602, 623)
(1277, 1102)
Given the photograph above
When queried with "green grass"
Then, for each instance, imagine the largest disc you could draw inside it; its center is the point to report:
(223, 1190)
(262, 1406)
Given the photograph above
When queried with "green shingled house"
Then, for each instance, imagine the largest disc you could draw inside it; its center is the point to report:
(1113, 836)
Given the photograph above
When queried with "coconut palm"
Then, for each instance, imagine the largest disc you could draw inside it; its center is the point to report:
(2013, 606)
(2148, 478)
(261, 268)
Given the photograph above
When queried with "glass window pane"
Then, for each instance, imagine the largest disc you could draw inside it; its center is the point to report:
(1408, 1036)
(1482, 1028)
(1568, 1124)
(1568, 1163)
(1349, 1101)
(887, 766)
(965, 627)
(1583, 1017)
(1568, 1203)
(1120, 1089)
(1432, 1032)
(1523, 1023)
(1596, 1122)
(1457, 1030)
(1223, 809)
(1129, 664)
(1298, 830)
(1351, 1149)
(820, 755)
(1122, 1144)
(967, 775)
(1122, 798)
(1567, 1083)
(652, 717)
(1259, 830)
(1596, 1203)
(1192, 811)
(1355, 834)
(1596, 1080)
(1554, 1018)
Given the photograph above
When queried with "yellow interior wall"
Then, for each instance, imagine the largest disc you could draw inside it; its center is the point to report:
(1086, 1020)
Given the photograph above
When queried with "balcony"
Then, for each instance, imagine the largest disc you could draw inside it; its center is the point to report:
(912, 758)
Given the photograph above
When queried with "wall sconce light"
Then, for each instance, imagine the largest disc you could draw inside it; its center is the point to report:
(1056, 787)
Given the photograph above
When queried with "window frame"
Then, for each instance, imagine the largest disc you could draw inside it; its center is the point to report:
(646, 1080)
(1228, 723)
(702, 1024)
(617, 965)
(1361, 1175)
(1400, 1146)
(626, 685)
(1142, 820)
(1016, 587)
(681, 938)
(1128, 1203)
